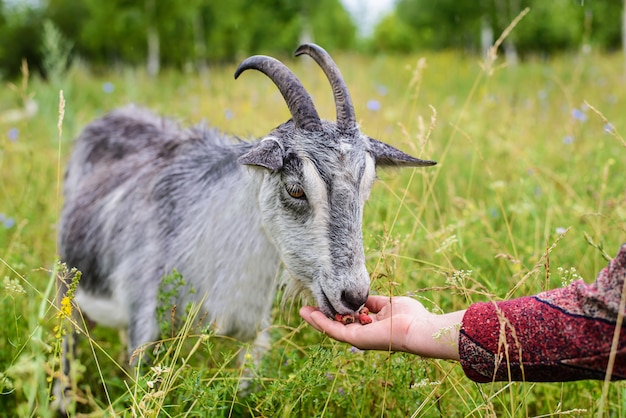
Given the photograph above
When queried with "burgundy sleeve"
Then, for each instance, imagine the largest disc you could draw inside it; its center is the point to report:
(559, 335)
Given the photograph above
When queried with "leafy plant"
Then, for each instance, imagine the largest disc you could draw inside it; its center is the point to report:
(524, 185)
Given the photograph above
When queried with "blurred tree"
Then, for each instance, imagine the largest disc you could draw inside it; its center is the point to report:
(174, 33)
(443, 23)
(550, 26)
(241, 27)
(20, 31)
(109, 32)
(331, 24)
(189, 34)
(393, 34)
(606, 30)
(274, 26)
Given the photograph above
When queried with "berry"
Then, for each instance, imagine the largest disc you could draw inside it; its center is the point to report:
(362, 317)
(345, 319)
(365, 319)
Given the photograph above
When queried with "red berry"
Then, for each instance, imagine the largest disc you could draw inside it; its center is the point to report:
(364, 319)
(345, 319)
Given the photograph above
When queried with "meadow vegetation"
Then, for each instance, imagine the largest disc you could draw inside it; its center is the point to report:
(529, 193)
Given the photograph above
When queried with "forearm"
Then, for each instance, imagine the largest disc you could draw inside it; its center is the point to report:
(436, 336)
(564, 334)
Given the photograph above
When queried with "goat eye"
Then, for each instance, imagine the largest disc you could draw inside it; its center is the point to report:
(295, 191)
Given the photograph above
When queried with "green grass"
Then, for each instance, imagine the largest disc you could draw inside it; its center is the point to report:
(519, 173)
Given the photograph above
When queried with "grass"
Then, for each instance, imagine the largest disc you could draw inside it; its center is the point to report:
(529, 187)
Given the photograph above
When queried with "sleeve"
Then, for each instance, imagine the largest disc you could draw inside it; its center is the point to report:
(560, 335)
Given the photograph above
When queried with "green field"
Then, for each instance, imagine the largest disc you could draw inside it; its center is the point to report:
(530, 185)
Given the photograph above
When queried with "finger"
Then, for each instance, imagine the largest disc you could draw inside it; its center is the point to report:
(306, 312)
(376, 335)
(321, 322)
(377, 302)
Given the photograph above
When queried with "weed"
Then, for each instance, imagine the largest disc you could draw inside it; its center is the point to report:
(169, 288)
(508, 200)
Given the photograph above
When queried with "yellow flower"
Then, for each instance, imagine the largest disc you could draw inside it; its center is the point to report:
(66, 307)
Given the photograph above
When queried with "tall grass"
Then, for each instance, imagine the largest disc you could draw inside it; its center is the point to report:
(529, 192)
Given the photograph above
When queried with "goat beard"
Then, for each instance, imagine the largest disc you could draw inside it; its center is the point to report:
(294, 291)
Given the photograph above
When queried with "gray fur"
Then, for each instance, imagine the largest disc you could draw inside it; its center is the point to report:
(144, 196)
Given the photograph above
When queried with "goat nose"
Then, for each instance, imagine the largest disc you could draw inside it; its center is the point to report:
(353, 300)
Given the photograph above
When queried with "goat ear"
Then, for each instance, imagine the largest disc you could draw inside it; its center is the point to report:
(268, 153)
(386, 155)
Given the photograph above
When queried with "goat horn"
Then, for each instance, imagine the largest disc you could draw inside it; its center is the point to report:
(346, 119)
(297, 98)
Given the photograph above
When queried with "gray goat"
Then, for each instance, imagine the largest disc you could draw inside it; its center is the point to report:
(144, 197)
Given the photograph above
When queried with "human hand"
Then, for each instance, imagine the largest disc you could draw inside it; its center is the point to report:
(398, 324)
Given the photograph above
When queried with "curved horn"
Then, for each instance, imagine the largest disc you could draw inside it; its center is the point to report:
(346, 119)
(298, 100)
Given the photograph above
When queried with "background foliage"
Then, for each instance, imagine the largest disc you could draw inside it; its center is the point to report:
(191, 33)
(196, 33)
(551, 26)
(528, 193)
(529, 187)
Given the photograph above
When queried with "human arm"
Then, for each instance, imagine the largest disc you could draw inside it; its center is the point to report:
(558, 335)
(398, 324)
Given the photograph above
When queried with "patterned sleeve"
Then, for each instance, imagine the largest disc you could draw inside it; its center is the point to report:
(559, 335)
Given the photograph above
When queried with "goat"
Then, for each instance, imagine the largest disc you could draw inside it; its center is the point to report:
(144, 197)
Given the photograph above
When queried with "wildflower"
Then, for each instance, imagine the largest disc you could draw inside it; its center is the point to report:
(608, 128)
(355, 350)
(329, 376)
(108, 87)
(447, 243)
(159, 370)
(560, 230)
(568, 139)
(6, 221)
(568, 276)
(382, 90)
(420, 384)
(341, 391)
(459, 278)
(13, 286)
(373, 105)
(579, 115)
(423, 383)
(228, 114)
(66, 308)
(58, 330)
(13, 134)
